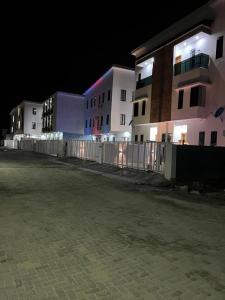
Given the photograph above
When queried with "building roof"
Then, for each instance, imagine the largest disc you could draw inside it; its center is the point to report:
(100, 79)
(200, 17)
(23, 102)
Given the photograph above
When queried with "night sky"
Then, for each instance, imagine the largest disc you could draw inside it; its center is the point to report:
(67, 47)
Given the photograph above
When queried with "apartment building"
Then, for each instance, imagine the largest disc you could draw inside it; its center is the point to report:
(180, 81)
(62, 116)
(25, 120)
(108, 107)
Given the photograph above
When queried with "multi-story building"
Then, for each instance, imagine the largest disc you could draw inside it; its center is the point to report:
(108, 108)
(63, 116)
(26, 120)
(180, 81)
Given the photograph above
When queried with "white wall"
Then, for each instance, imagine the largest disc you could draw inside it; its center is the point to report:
(122, 79)
(102, 85)
(114, 80)
(29, 117)
(69, 113)
(215, 91)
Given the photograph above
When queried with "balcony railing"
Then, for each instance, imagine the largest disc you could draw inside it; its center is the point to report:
(198, 61)
(144, 82)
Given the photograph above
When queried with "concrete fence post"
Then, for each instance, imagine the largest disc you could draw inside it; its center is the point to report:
(170, 161)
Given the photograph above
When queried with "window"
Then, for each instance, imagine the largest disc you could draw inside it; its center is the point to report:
(163, 138)
(87, 104)
(201, 139)
(90, 123)
(103, 97)
(141, 138)
(94, 101)
(109, 95)
(219, 47)
(99, 100)
(33, 125)
(107, 120)
(34, 110)
(136, 109)
(197, 96)
(91, 102)
(136, 138)
(101, 121)
(86, 123)
(143, 108)
(122, 119)
(139, 76)
(123, 95)
(180, 99)
(213, 140)
(93, 124)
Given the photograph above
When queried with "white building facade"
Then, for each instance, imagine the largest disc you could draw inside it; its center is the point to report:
(62, 116)
(26, 120)
(108, 107)
(180, 81)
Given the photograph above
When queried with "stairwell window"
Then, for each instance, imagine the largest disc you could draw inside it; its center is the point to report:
(123, 95)
(136, 109)
(219, 47)
(107, 120)
(122, 119)
(143, 108)
(180, 99)
(109, 95)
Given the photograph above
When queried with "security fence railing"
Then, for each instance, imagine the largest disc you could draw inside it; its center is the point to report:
(142, 156)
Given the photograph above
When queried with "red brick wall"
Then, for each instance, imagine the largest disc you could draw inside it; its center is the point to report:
(162, 85)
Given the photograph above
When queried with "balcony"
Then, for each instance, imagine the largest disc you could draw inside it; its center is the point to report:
(144, 82)
(198, 61)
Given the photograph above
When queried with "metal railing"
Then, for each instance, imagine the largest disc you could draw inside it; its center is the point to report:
(144, 82)
(148, 156)
(198, 61)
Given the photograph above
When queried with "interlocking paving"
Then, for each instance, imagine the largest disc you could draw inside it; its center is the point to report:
(69, 234)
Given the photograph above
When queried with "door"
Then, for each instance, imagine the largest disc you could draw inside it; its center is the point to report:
(201, 139)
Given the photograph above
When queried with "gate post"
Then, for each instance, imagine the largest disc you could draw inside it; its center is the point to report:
(170, 161)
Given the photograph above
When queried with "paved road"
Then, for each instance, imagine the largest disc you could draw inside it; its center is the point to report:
(70, 234)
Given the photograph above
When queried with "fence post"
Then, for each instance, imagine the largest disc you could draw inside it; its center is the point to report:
(170, 161)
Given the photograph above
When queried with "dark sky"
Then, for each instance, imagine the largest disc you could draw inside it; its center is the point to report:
(67, 47)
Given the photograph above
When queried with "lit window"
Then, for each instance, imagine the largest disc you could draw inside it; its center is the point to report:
(153, 133)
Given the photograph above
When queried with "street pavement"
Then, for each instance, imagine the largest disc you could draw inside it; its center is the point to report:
(66, 233)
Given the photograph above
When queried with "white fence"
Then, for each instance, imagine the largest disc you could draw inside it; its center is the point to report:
(53, 147)
(142, 156)
(13, 144)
